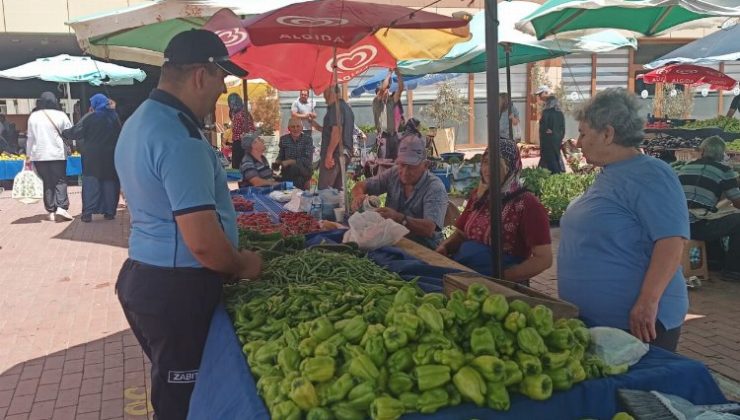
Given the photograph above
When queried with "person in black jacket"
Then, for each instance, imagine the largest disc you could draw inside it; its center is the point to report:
(552, 131)
(99, 132)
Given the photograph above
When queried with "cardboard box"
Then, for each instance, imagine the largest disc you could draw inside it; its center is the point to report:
(461, 281)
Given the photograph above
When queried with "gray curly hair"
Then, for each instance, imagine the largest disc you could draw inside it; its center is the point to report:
(713, 148)
(618, 108)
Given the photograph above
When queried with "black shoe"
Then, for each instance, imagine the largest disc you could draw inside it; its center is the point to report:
(87, 218)
(109, 216)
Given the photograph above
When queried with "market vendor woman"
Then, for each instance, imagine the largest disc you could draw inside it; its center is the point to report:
(255, 168)
(526, 228)
(621, 242)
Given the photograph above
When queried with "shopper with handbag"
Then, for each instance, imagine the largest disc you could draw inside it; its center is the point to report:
(48, 153)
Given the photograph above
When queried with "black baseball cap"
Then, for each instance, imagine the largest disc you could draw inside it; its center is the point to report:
(199, 46)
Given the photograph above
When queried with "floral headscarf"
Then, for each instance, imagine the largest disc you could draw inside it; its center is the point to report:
(510, 154)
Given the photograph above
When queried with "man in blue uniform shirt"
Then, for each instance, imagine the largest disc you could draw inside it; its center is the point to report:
(183, 241)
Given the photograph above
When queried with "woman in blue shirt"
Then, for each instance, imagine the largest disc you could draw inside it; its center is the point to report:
(621, 242)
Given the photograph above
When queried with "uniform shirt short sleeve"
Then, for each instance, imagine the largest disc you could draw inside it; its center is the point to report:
(661, 206)
(187, 174)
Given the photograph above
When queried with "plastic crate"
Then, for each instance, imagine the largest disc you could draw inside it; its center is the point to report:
(687, 155)
(444, 176)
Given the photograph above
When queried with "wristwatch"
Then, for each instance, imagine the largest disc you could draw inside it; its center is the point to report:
(405, 221)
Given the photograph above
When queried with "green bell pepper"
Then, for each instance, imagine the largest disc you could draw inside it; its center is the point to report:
(431, 317)
(432, 400)
(292, 339)
(562, 379)
(582, 335)
(408, 323)
(269, 388)
(505, 340)
(264, 369)
(372, 330)
(400, 382)
(470, 385)
(461, 312)
(287, 381)
(529, 364)
(361, 366)
(536, 387)
(482, 342)
(491, 368)
(447, 316)
(576, 370)
(515, 321)
(401, 361)
(431, 376)
(339, 388)
(318, 369)
(268, 353)
(561, 338)
(496, 307)
(354, 329)
(530, 341)
(286, 410)
(386, 408)
(424, 354)
(303, 394)
(410, 401)
(574, 323)
(288, 359)
(361, 395)
(252, 346)
(319, 413)
(518, 305)
(344, 411)
(437, 300)
(477, 292)
(321, 329)
(326, 348)
(612, 370)
(375, 349)
(307, 347)
(541, 320)
(406, 294)
(512, 374)
(552, 360)
(455, 398)
(453, 358)
(436, 339)
(497, 397)
(457, 295)
(394, 338)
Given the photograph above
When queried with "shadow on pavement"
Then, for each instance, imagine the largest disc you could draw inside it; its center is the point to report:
(107, 377)
(37, 218)
(100, 231)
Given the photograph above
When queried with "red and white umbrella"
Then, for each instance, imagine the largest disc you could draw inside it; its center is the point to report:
(689, 74)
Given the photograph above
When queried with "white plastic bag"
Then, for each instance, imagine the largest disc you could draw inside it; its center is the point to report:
(371, 231)
(616, 347)
(27, 187)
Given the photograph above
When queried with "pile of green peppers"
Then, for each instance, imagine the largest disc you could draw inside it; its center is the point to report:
(342, 348)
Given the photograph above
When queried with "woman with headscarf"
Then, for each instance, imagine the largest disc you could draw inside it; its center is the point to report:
(99, 131)
(552, 132)
(525, 224)
(241, 123)
(46, 149)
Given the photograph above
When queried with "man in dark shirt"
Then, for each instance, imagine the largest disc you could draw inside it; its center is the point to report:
(333, 131)
(734, 106)
(295, 155)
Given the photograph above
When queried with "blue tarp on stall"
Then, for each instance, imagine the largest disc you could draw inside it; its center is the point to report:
(10, 168)
(226, 389)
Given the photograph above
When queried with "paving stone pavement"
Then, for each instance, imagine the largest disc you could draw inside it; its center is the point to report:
(66, 351)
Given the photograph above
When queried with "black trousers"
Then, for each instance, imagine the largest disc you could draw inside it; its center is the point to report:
(169, 311)
(710, 230)
(99, 196)
(237, 154)
(53, 174)
(666, 339)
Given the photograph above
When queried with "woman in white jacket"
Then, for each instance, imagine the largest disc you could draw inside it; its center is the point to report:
(45, 148)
